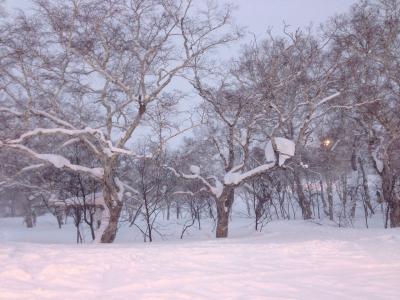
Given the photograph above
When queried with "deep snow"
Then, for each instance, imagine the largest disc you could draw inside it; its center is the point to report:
(288, 260)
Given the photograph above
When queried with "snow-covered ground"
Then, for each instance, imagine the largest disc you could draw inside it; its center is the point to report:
(288, 260)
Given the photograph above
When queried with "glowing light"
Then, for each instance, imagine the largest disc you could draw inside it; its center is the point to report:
(327, 143)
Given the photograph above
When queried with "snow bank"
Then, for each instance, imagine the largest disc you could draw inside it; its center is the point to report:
(290, 260)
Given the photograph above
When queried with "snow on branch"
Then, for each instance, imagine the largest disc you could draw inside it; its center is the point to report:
(232, 178)
(10, 181)
(215, 190)
(282, 147)
(59, 162)
(327, 99)
(10, 111)
(52, 131)
(107, 146)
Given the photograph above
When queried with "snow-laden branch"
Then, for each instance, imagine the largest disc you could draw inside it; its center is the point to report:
(216, 190)
(278, 147)
(52, 131)
(107, 146)
(128, 187)
(10, 111)
(9, 181)
(58, 161)
(327, 99)
(234, 178)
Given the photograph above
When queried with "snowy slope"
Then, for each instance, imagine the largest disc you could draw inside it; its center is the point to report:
(290, 260)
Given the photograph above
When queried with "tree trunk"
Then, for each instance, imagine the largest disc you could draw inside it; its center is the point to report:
(110, 231)
(304, 203)
(367, 198)
(394, 214)
(224, 205)
(324, 204)
(329, 191)
(113, 205)
(28, 214)
(168, 210)
(389, 195)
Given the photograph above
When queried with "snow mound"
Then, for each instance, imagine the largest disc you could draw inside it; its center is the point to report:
(195, 170)
(284, 147)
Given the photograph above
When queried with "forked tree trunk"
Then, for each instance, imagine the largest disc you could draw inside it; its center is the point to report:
(224, 205)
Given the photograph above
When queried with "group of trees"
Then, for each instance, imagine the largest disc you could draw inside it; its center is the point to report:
(296, 123)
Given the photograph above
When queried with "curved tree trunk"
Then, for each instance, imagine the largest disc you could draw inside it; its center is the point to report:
(113, 205)
(224, 205)
(111, 229)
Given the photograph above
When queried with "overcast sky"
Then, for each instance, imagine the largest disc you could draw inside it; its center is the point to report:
(258, 15)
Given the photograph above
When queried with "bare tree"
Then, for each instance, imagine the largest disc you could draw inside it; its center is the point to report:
(90, 70)
(366, 43)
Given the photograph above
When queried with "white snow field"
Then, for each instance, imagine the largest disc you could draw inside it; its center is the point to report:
(288, 260)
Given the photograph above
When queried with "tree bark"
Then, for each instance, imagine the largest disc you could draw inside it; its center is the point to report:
(113, 204)
(110, 232)
(304, 203)
(367, 198)
(394, 214)
(329, 191)
(224, 205)
(389, 195)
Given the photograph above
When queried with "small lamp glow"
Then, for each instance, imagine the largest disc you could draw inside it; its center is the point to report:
(327, 143)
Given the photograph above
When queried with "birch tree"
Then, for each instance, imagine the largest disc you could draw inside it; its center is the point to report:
(90, 70)
(366, 43)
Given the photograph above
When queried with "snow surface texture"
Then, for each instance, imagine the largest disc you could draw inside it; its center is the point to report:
(289, 260)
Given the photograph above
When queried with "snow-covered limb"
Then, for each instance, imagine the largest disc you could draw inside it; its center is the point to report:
(60, 162)
(52, 131)
(215, 190)
(116, 150)
(54, 119)
(327, 99)
(232, 178)
(32, 167)
(10, 181)
(10, 111)
(284, 149)
(68, 143)
(128, 187)
(107, 146)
